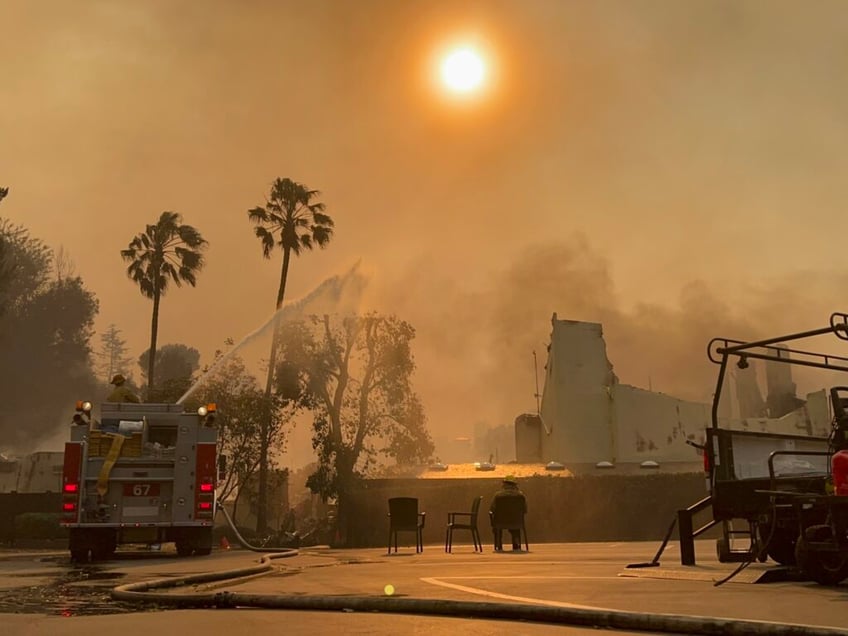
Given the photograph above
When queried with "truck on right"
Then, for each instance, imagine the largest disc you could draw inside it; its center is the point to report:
(784, 491)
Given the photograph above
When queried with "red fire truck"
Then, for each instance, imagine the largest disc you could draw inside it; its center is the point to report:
(141, 474)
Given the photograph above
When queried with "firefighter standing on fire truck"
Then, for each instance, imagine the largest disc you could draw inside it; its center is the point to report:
(121, 392)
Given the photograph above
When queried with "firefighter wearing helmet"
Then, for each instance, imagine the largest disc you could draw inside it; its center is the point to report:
(121, 392)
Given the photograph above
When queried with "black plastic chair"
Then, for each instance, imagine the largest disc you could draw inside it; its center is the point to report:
(469, 523)
(404, 517)
(509, 515)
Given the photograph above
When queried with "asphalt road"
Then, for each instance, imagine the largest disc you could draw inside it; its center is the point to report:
(45, 594)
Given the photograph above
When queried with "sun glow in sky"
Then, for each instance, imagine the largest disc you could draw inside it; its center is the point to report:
(463, 70)
(605, 126)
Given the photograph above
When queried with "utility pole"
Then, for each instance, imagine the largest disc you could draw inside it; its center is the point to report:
(536, 373)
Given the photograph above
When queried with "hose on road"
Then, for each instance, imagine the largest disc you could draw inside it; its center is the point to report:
(243, 541)
(146, 592)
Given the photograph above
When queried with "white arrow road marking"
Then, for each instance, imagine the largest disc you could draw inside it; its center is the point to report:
(537, 601)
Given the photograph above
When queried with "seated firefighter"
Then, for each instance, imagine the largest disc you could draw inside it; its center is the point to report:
(508, 495)
(121, 392)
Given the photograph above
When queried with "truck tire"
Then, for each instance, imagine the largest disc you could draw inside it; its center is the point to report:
(203, 542)
(723, 550)
(194, 541)
(782, 550)
(79, 545)
(185, 547)
(781, 543)
(105, 547)
(825, 568)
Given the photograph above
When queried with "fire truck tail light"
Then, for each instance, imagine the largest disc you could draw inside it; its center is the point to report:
(204, 486)
(71, 478)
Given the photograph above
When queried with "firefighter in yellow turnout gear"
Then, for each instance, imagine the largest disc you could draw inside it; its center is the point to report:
(121, 392)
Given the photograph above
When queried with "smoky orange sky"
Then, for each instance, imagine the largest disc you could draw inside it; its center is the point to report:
(672, 169)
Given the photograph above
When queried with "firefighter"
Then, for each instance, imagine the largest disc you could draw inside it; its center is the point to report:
(509, 490)
(121, 392)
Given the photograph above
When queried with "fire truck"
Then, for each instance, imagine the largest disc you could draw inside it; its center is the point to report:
(141, 474)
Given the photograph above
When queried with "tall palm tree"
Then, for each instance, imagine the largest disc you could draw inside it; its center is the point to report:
(164, 252)
(294, 221)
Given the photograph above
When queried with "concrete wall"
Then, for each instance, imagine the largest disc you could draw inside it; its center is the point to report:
(528, 439)
(576, 401)
(588, 417)
(38, 472)
(655, 426)
(608, 507)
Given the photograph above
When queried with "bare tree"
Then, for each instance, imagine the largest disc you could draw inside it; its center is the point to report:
(63, 264)
(358, 373)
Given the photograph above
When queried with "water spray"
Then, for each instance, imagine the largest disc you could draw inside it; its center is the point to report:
(339, 293)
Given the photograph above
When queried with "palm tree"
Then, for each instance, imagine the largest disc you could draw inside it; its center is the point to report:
(293, 221)
(164, 252)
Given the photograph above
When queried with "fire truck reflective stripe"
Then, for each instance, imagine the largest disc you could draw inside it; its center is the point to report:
(141, 511)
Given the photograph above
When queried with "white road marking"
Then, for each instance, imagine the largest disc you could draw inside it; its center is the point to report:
(510, 597)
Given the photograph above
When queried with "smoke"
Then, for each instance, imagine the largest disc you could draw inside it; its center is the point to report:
(685, 139)
(338, 294)
(474, 345)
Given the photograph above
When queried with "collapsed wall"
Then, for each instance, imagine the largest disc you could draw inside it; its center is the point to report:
(587, 416)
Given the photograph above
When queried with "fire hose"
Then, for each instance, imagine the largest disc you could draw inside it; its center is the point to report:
(148, 592)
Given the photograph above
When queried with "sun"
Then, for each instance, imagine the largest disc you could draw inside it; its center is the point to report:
(463, 70)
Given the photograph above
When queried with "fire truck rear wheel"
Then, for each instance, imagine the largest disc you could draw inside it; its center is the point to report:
(103, 552)
(79, 545)
(184, 548)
